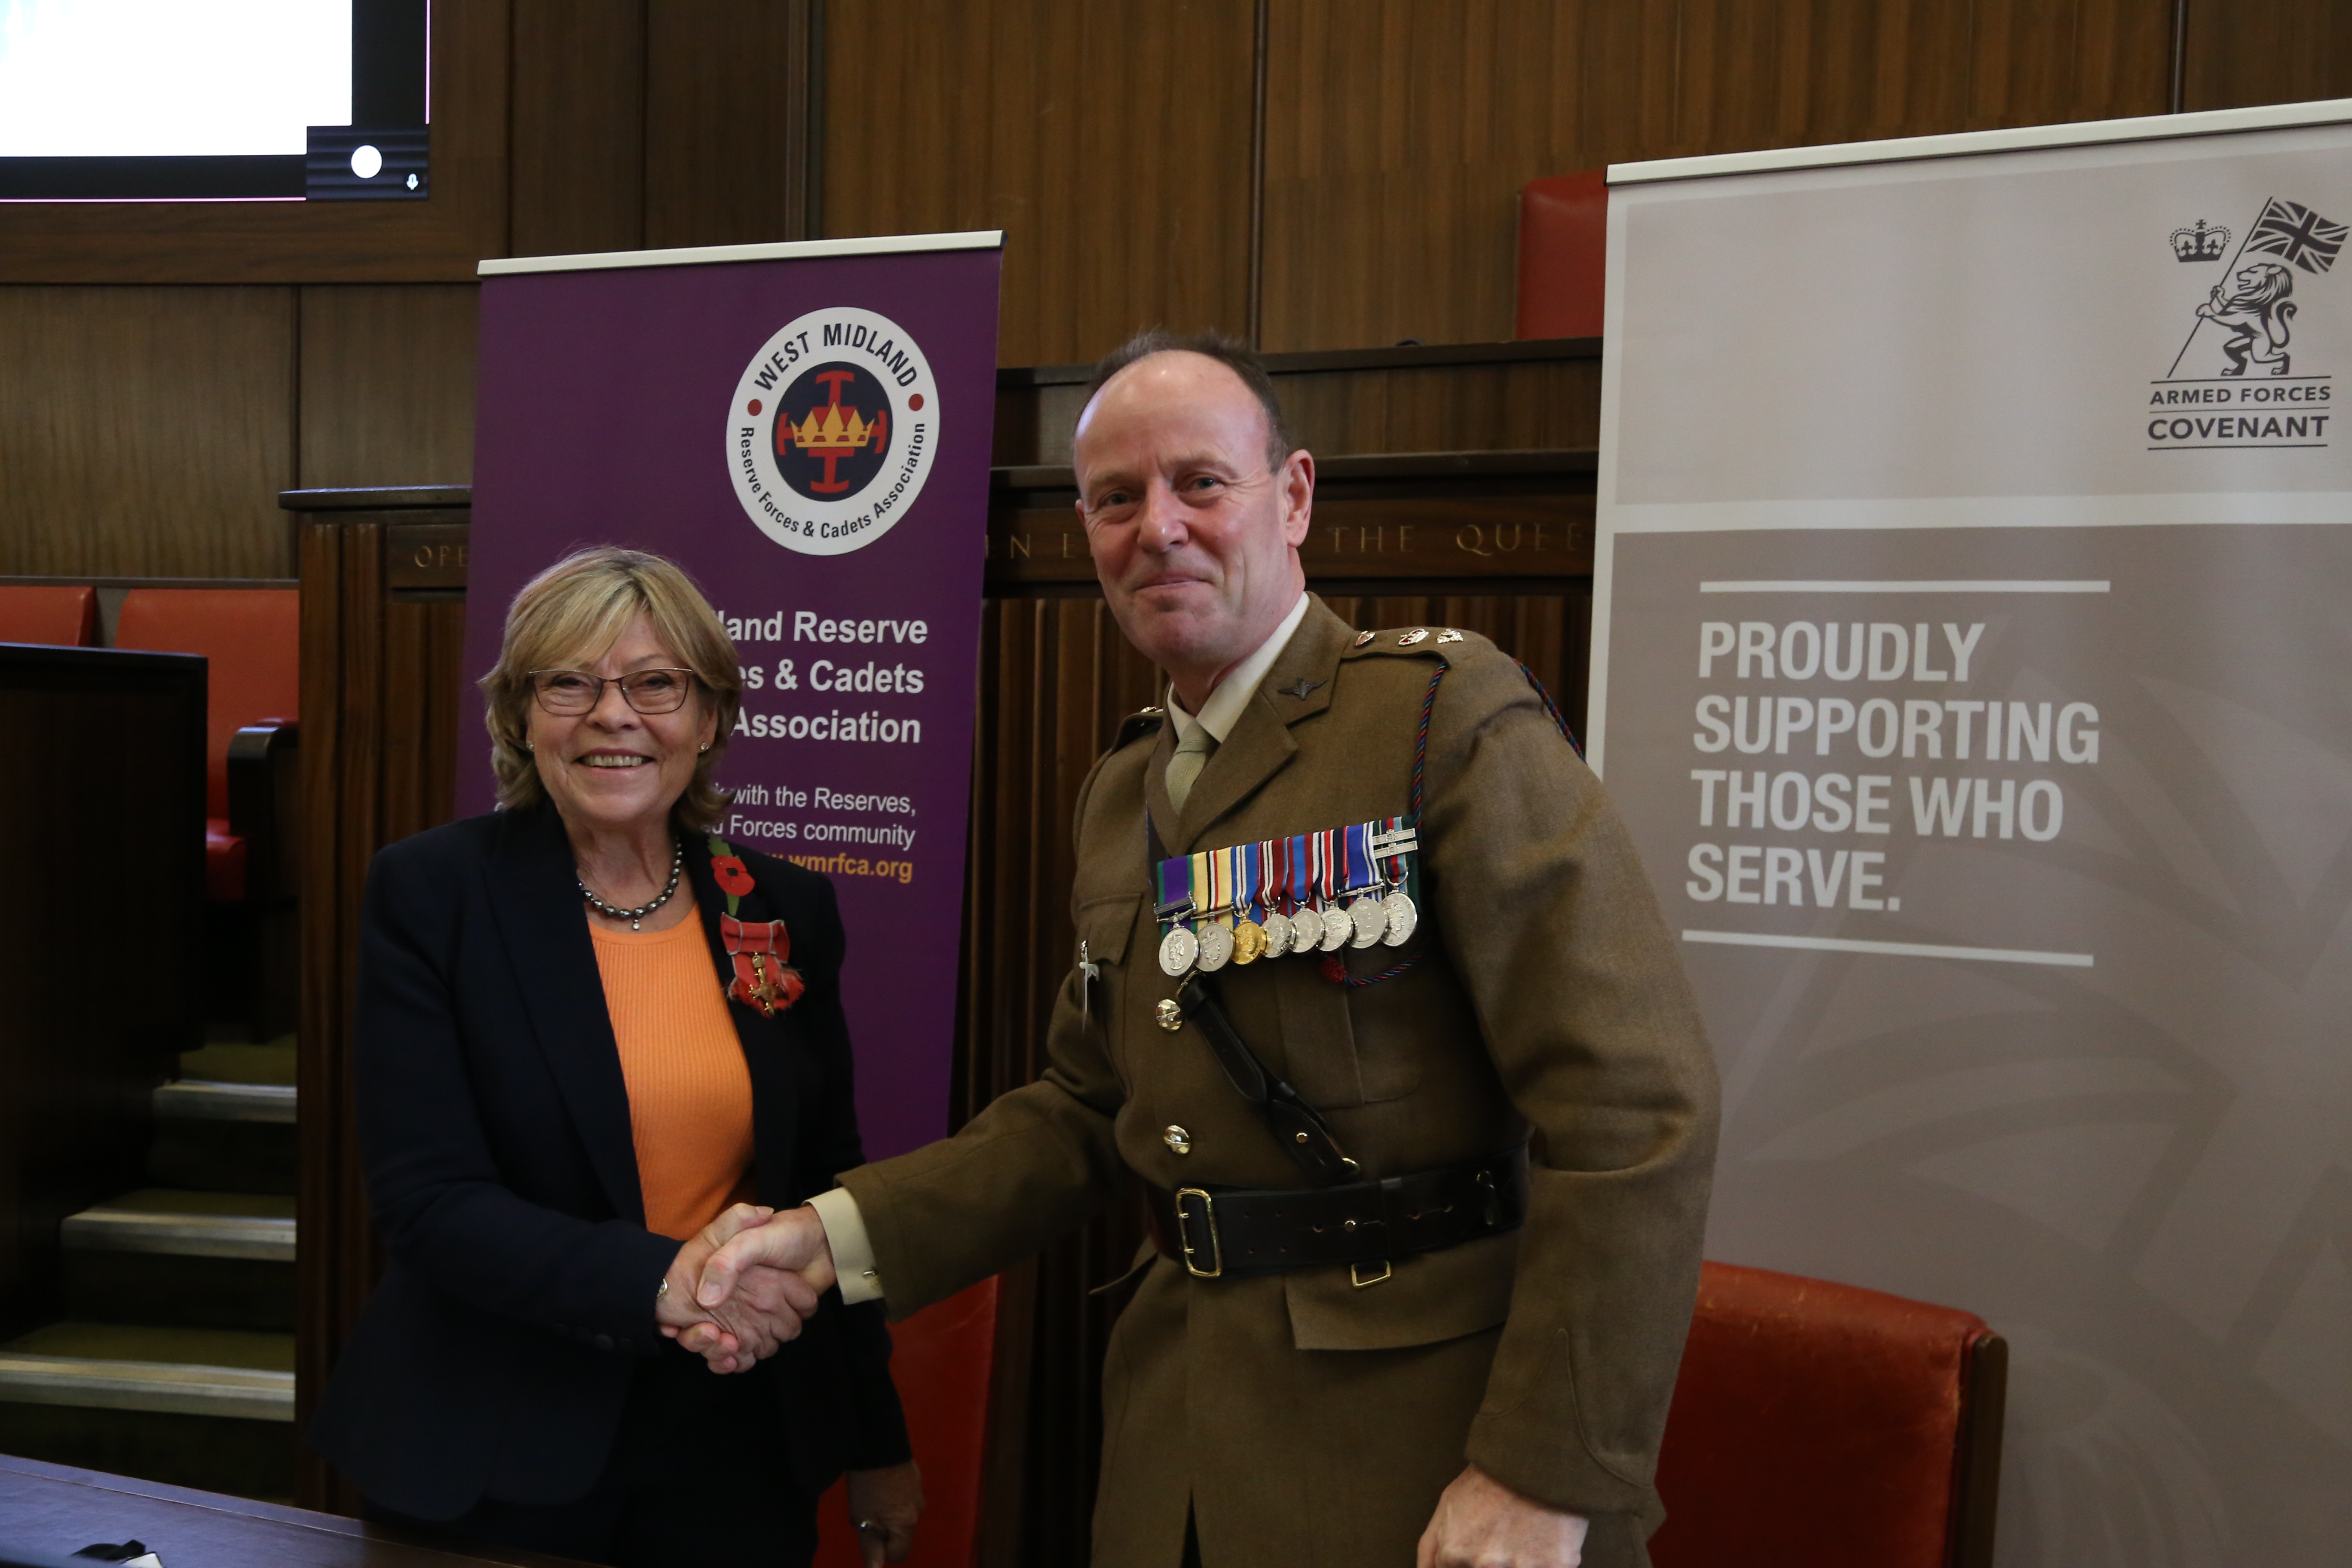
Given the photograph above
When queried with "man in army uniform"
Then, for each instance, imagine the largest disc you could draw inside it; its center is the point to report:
(1462, 1328)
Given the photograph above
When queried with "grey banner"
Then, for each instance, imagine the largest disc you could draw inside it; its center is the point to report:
(2107, 785)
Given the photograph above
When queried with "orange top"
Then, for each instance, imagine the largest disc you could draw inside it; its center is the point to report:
(689, 1089)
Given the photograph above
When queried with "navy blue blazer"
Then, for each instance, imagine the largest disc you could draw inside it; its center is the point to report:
(495, 1357)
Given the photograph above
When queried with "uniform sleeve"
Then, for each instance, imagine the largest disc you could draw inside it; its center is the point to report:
(1031, 1166)
(434, 1184)
(1581, 997)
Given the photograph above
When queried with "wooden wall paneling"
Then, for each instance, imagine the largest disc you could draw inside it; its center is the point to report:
(340, 624)
(1541, 404)
(382, 682)
(439, 238)
(387, 384)
(729, 127)
(1450, 398)
(1397, 135)
(2240, 52)
(145, 432)
(576, 171)
(1110, 142)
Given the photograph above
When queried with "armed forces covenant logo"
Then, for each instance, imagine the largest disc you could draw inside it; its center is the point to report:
(833, 431)
(2236, 382)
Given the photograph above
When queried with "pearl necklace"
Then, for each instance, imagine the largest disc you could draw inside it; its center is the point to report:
(676, 867)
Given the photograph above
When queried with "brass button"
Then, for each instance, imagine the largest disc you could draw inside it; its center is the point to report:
(1176, 1138)
(1170, 1016)
(1301, 1136)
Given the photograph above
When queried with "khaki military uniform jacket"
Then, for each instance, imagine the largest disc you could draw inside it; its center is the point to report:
(1307, 1420)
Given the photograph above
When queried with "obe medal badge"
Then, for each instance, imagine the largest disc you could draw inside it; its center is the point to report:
(1401, 918)
(1178, 949)
(1277, 934)
(1369, 921)
(1216, 947)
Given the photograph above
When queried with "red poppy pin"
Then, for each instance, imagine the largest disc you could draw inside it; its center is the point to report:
(758, 950)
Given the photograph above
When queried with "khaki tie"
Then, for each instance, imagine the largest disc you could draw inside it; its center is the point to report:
(1192, 755)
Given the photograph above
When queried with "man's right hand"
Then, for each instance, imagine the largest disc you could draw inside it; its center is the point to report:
(793, 1241)
(765, 1309)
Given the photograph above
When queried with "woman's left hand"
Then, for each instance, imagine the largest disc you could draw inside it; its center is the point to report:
(884, 1505)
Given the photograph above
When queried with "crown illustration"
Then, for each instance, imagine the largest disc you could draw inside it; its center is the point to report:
(2203, 243)
(826, 433)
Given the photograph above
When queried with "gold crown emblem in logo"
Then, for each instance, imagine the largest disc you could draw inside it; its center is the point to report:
(834, 432)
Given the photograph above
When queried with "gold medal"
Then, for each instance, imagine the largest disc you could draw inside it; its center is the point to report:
(1249, 941)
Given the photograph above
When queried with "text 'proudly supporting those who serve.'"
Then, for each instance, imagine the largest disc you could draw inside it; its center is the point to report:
(1861, 763)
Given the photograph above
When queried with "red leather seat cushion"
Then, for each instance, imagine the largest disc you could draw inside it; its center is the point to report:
(252, 638)
(224, 862)
(1813, 1424)
(64, 615)
(1563, 255)
(942, 1359)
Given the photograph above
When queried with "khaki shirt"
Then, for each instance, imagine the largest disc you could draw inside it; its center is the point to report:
(1302, 1419)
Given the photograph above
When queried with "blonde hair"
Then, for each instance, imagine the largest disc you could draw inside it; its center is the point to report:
(574, 611)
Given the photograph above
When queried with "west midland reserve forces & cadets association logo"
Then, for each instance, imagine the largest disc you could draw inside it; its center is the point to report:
(833, 431)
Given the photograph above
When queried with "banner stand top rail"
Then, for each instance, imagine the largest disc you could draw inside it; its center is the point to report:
(1965, 143)
(781, 250)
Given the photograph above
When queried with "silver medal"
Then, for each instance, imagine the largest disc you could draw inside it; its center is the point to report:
(1368, 920)
(1305, 929)
(1178, 949)
(1336, 929)
(1216, 947)
(1402, 919)
(1278, 934)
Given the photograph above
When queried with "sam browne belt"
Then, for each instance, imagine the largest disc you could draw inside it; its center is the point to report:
(1219, 1231)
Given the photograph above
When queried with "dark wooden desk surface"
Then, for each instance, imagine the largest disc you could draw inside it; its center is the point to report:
(60, 1510)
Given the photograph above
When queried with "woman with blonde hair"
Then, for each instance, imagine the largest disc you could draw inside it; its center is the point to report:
(588, 1027)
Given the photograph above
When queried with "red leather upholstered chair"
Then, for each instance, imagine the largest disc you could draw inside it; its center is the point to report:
(1829, 1426)
(64, 615)
(942, 1357)
(252, 641)
(1563, 255)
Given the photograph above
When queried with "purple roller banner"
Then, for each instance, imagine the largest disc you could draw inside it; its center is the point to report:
(805, 429)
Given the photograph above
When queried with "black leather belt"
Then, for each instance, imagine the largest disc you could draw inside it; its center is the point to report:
(1217, 1231)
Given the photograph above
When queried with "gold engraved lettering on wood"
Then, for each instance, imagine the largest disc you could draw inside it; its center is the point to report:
(425, 555)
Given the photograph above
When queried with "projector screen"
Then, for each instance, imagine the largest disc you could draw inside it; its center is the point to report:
(253, 100)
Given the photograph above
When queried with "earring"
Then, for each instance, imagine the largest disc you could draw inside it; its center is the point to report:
(704, 747)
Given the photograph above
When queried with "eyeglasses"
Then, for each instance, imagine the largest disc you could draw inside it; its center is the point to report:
(570, 692)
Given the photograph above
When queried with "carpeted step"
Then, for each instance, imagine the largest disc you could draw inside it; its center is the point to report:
(201, 1408)
(228, 1124)
(194, 1259)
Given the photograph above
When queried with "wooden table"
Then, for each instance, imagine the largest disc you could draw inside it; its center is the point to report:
(60, 1510)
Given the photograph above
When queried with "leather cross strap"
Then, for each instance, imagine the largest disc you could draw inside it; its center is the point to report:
(1216, 1231)
(1298, 1126)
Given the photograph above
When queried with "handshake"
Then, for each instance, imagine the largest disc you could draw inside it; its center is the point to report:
(740, 1290)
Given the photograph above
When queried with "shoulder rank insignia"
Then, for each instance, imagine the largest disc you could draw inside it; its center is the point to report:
(1363, 637)
(1449, 635)
(1413, 636)
(1138, 724)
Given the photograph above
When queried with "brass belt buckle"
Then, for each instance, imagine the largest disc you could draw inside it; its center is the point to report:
(1184, 1234)
(1358, 1277)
